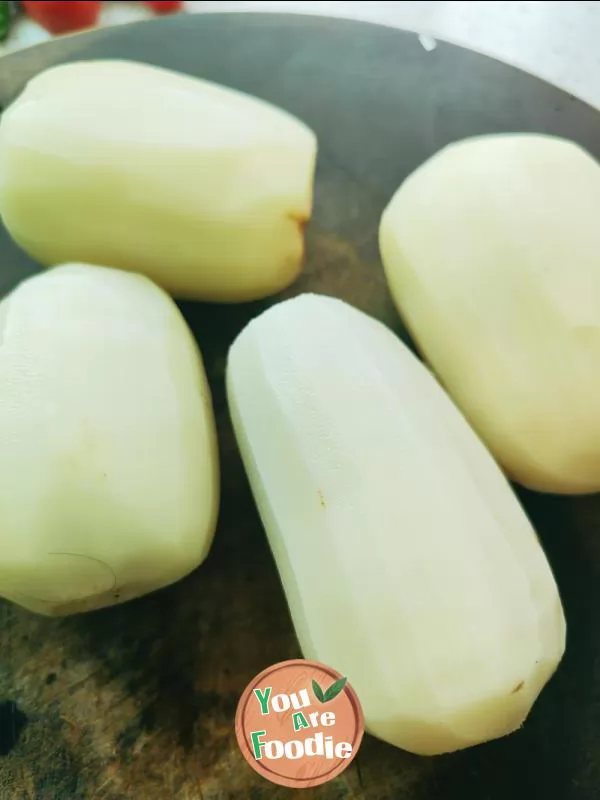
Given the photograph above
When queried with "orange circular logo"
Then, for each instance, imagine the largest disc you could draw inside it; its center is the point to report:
(299, 724)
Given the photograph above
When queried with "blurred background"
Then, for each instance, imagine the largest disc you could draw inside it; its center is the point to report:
(557, 41)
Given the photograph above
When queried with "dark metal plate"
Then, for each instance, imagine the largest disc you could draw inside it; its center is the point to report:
(138, 702)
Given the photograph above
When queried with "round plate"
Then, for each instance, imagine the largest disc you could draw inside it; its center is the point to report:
(139, 701)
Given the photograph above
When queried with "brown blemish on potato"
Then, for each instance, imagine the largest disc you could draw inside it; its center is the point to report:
(301, 220)
(321, 499)
(518, 687)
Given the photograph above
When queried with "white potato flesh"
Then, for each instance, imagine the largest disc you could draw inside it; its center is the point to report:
(492, 253)
(203, 189)
(407, 562)
(109, 475)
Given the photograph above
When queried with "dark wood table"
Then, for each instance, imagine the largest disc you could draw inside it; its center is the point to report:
(137, 702)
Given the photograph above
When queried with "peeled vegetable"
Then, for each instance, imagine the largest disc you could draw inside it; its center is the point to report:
(203, 189)
(407, 562)
(109, 478)
(492, 252)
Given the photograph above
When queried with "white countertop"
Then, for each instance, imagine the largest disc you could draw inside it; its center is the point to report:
(556, 40)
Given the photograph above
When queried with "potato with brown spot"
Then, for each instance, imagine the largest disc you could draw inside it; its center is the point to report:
(203, 189)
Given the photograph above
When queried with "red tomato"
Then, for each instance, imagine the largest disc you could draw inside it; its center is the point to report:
(63, 17)
(164, 6)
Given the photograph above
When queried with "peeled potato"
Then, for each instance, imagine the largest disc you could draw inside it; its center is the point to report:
(492, 252)
(109, 480)
(408, 564)
(202, 188)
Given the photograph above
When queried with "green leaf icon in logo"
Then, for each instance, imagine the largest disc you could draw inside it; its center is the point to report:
(318, 692)
(331, 693)
(335, 689)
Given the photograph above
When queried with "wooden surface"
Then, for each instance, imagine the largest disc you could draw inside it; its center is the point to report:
(138, 702)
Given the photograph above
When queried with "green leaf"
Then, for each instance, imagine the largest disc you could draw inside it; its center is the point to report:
(335, 689)
(5, 16)
(318, 692)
